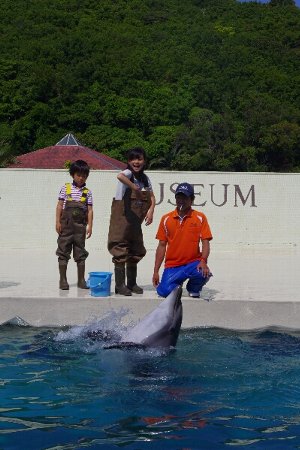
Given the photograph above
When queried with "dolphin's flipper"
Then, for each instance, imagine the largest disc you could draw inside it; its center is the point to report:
(103, 335)
(125, 346)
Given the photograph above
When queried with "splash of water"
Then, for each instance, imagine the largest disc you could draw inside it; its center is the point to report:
(110, 325)
(99, 333)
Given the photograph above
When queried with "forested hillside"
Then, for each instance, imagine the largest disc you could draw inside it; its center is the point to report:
(200, 84)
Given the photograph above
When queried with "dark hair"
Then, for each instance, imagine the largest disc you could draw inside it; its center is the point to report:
(80, 167)
(138, 152)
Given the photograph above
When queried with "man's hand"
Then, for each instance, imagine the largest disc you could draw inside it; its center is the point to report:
(203, 267)
(155, 279)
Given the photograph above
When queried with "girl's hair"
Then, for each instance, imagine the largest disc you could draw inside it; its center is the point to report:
(138, 152)
(80, 167)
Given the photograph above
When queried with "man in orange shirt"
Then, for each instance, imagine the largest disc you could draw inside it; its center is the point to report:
(179, 234)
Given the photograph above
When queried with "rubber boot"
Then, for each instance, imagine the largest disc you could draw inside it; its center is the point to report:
(81, 281)
(63, 283)
(121, 288)
(131, 272)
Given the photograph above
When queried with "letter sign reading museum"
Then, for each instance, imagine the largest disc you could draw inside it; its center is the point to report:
(218, 195)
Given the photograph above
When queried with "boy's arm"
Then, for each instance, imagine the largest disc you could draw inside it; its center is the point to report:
(90, 216)
(150, 212)
(59, 209)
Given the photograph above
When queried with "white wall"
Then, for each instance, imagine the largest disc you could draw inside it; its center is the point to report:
(243, 209)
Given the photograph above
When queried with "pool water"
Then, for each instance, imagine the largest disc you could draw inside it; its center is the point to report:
(218, 390)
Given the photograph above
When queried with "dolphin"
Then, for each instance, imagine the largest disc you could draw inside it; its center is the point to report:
(160, 328)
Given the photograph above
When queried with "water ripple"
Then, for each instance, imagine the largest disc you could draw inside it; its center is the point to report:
(220, 388)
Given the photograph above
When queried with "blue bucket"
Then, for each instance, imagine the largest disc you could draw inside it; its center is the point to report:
(99, 283)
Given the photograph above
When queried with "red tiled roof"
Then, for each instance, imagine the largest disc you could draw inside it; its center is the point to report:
(54, 157)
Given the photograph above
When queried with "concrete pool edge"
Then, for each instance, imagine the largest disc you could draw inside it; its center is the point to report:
(250, 289)
(227, 314)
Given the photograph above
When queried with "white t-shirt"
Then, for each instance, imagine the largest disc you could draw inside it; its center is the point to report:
(121, 187)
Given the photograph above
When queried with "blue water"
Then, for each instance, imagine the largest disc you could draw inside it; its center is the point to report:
(218, 390)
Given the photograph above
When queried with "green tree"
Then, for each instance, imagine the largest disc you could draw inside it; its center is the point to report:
(201, 84)
(282, 3)
(281, 144)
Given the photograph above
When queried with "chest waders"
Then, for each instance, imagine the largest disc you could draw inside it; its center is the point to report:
(72, 237)
(125, 238)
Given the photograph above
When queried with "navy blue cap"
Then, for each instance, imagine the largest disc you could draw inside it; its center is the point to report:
(185, 188)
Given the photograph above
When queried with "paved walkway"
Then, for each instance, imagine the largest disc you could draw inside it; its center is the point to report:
(251, 288)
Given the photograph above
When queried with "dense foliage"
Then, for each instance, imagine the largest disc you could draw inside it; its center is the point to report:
(201, 84)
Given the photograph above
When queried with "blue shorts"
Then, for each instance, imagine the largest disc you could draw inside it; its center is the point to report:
(174, 276)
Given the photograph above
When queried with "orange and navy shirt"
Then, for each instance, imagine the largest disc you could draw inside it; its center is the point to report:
(183, 236)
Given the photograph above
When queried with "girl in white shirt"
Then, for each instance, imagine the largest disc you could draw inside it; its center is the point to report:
(133, 204)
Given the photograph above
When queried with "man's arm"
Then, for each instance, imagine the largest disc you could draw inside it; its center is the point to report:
(205, 254)
(205, 249)
(159, 257)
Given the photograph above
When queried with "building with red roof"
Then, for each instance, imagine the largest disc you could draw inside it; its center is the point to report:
(67, 149)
